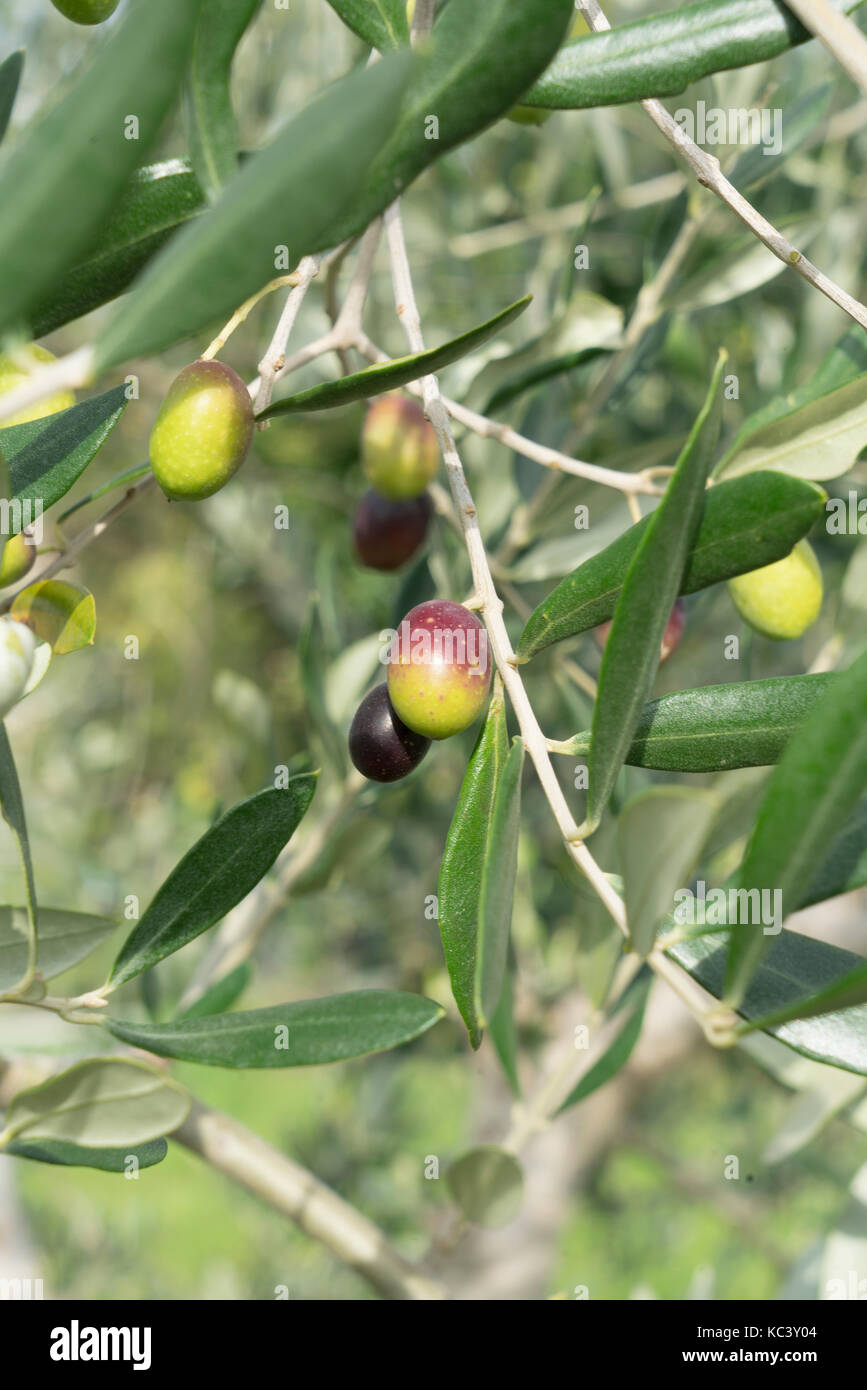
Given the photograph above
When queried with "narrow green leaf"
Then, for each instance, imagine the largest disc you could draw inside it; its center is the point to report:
(220, 259)
(795, 967)
(818, 440)
(847, 992)
(222, 994)
(503, 1033)
(290, 1035)
(77, 1156)
(650, 587)
(62, 614)
(68, 170)
(661, 54)
(159, 200)
(386, 376)
(845, 866)
(483, 57)
(220, 869)
(10, 76)
(211, 124)
(65, 938)
(749, 522)
(124, 479)
(101, 1103)
(818, 782)
(661, 832)
(12, 808)
(497, 887)
(381, 23)
(477, 876)
(47, 457)
(617, 1054)
(525, 381)
(716, 728)
(488, 1185)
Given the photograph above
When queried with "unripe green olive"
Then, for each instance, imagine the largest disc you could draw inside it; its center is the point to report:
(202, 431)
(19, 553)
(439, 670)
(17, 650)
(783, 599)
(399, 450)
(86, 11)
(16, 367)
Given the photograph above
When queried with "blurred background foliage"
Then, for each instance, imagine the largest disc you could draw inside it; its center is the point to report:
(124, 763)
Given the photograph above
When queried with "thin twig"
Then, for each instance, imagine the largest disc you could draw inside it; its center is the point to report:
(707, 169)
(842, 38)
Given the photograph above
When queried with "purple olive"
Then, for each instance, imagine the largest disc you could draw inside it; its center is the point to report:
(380, 744)
(388, 533)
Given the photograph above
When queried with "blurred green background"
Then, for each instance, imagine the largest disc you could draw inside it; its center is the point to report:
(124, 763)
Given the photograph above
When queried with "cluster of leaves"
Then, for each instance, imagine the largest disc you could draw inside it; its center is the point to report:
(192, 238)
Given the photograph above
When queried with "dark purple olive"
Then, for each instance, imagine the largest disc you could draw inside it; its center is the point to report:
(388, 533)
(380, 745)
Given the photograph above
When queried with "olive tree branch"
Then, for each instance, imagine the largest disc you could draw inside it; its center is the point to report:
(842, 38)
(491, 607)
(707, 169)
(286, 1186)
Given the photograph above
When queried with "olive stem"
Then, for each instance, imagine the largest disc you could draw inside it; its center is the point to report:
(843, 39)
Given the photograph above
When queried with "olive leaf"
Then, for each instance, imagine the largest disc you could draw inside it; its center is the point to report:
(220, 869)
(795, 969)
(159, 200)
(77, 1156)
(65, 938)
(386, 376)
(820, 439)
(620, 1049)
(661, 54)
(211, 124)
(10, 76)
(223, 257)
(477, 875)
(46, 457)
(289, 1035)
(12, 808)
(819, 780)
(716, 728)
(661, 831)
(61, 614)
(67, 171)
(652, 582)
(101, 1103)
(381, 23)
(488, 1185)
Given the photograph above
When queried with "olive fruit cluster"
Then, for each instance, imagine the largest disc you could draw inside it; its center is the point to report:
(400, 456)
(202, 431)
(439, 675)
(783, 599)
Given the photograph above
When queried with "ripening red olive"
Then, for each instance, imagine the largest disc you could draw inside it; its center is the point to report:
(380, 744)
(399, 450)
(674, 630)
(387, 533)
(439, 671)
(202, 431)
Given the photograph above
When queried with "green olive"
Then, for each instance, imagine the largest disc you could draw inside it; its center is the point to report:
(86, 11)
(16, 367)
(783, 599)
(202, 432)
